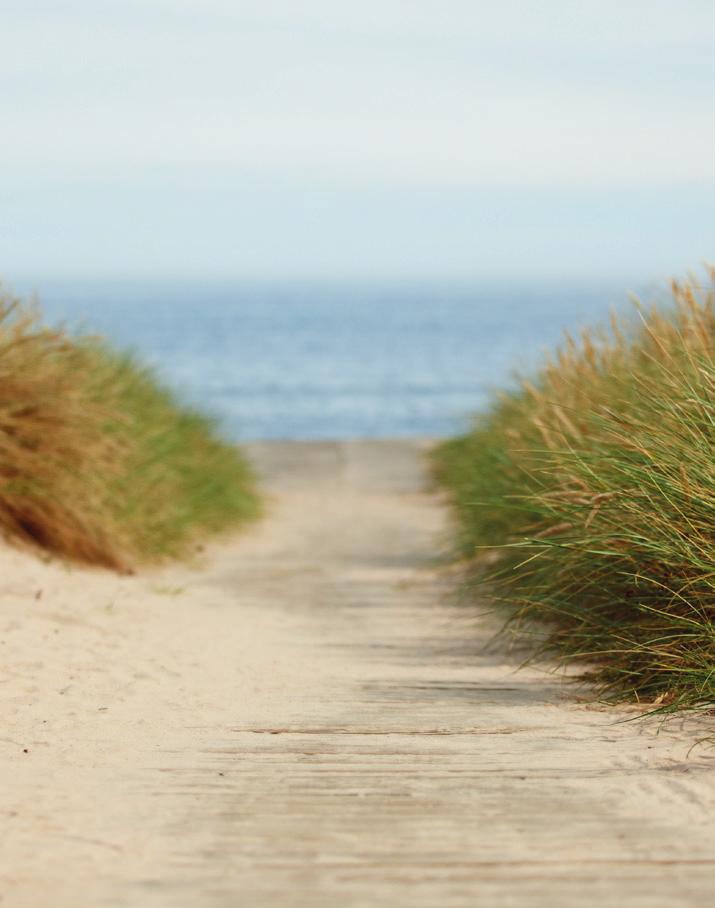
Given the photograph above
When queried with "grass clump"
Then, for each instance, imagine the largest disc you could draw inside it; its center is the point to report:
(592, 489)
(98, 462)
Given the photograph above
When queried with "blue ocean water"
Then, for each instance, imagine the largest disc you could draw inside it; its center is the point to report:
(332, 362)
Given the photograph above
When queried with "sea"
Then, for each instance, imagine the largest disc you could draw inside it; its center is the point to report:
(302, 361)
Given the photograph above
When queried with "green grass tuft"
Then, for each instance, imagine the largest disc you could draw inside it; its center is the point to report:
(592, 488)
(98, 461)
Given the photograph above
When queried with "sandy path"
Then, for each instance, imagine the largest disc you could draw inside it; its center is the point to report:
(308, 720)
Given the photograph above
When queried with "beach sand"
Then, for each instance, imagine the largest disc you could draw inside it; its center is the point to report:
(306, 717)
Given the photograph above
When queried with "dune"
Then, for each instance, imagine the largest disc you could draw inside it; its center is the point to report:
(303, 716)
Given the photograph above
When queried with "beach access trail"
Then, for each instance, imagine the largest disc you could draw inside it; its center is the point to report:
(308, 717)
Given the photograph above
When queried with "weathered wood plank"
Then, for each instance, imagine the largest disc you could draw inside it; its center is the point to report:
(425, 771)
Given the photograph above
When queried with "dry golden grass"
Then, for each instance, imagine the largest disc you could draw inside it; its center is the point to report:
(596, 481)
(98, 462)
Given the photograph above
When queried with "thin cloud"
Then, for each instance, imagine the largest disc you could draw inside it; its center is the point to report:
(345, 98)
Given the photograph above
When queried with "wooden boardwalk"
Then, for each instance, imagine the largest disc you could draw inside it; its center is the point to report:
(363, 744)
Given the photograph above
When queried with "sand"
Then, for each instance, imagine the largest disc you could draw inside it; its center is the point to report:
(305, 717)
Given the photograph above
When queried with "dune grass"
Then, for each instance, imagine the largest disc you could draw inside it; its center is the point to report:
(587, 496)
(98, 462)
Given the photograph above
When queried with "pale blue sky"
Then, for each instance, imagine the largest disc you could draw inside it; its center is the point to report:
(376, 139)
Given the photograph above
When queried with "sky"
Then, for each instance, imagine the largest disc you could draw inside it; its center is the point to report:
(377, 140)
